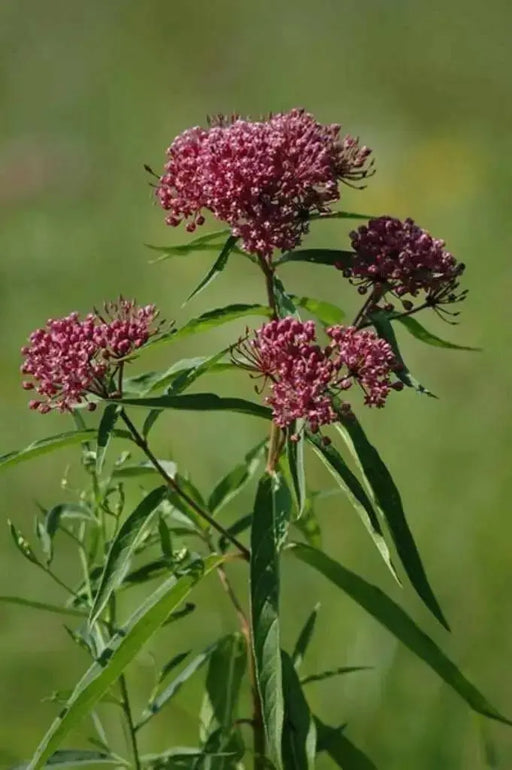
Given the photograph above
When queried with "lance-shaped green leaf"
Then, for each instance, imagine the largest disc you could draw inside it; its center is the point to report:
(122, 548)
(22, 544)
(284, 302)
(334, 462)
(392, 616)
(235, 480)
(50, 444)
(299, 733)
(78, 758)
(318, 257)
(341, 671)
(201, 402)
(120, 651)
(417, 330)
(295, 457)
(264, 586)
(226, 669)
(217, 267)
(219, 316)
(157, 703)
(203, 243)
(20, 600)
(327, 313)
(388, 500)
(146, 468)
(341, 750)
(341, 215)
(186, 378)
(106, 426)
(304, 638)
(178, 758)
(384, 329)
(240, 525)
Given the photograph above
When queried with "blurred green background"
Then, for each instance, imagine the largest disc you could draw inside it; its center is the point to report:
(91, 91)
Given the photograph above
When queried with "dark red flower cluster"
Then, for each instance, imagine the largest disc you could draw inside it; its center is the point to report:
(305, 378)
(263, 178)
(403, 259)
(70, 358)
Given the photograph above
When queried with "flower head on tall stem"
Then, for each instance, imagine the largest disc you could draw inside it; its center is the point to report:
(307, 380)
(404, 260)
(263, 178)
(70, 358)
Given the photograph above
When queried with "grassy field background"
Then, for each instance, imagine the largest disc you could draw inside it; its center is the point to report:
(91, 91)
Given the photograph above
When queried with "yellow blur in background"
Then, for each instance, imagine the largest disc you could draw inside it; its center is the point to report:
(92, 91)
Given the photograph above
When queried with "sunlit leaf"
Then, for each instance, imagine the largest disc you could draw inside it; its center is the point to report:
(146, 468)
(203, 243)
(388, 500)
(299, 733)
(120, 651)
(121, 550)
(335, 464)
(46, 445)
(264, 586)
(397, 621)
(327, 313)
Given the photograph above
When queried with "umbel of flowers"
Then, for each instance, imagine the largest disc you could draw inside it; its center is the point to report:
(268, 180)
(71, 358)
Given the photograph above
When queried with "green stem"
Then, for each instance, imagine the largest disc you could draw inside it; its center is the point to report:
(144, 446)
(125, 702)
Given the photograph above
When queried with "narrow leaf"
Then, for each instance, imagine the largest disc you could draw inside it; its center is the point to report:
(203, 402)
(341, 750)
(78, 758)
(299, 734)
(235, 529)
(165, 538)
(22, 544)
(203, 243)
(305, 637)
(121, 650)
(417, 330)
(318, 257)
(171, 665)
(107, 423)
(218, 266)
(46, 445)
(284, 303)
(392, 616)
(219, 316)
(264, 586)
(388, 500)
(341, 671)
(384, 329)
(235, 480)
(356, 495)
(327, 314)
(145, 468)
(43, 606)
(226, 669)
(122, 548)
(160, 700)
(295, 455)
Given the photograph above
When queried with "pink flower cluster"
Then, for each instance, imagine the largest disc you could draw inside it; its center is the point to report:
(264, 178)
(306, 378)
(404, 259)
(70, 358)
